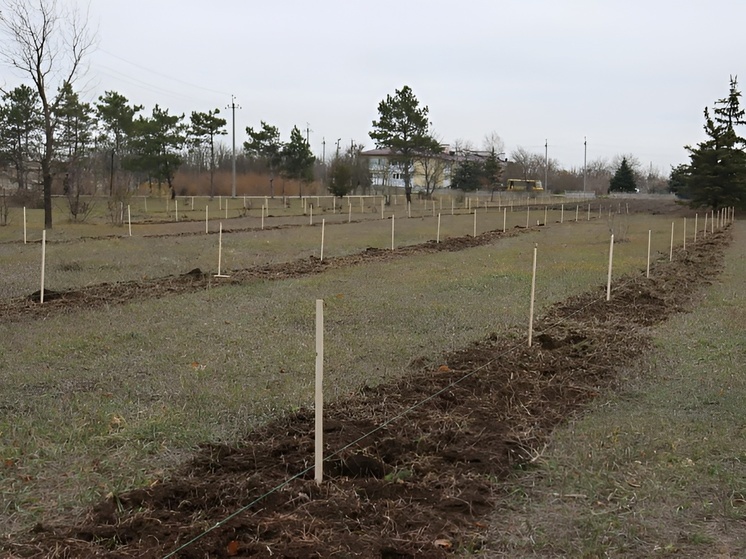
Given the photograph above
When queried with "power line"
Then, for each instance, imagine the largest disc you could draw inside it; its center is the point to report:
(161, 74)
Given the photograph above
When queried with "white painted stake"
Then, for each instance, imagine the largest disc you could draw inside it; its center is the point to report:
(647, 269)
(437, 238)
(43, 263)
(704, 231)
(319, 394)
(334, 204)
(712, 222)
(176, 209)
(611, 261)
(220, 253)
(505, 218)
(589, 212)
(670, 253)
(409, 209)
(695, 227)
(262, 218)
(452, 205)
(475, 224)
(220, 202)
(226, 209)
(311, 219)
(244, 200)
(545, 216)
(392, 231)
(207, 219)
(562, 214)
(349, 213)
(323, 226)
(531, 309)
(577, 209)
(684, 233)
(528, 211)
(24, 225)
(382, 216)
(129, 219)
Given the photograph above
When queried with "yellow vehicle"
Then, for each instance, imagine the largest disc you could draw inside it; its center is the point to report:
(523, 185)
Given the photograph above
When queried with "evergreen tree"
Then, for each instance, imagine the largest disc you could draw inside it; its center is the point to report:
(297, 159)
(265, 144)
(116, 118)
(469, 175)
(404, 128)
(623, 179)
(202, 131)
(716, 174)
(21, 126)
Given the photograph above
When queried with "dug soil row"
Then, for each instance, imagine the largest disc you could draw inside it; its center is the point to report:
(196, 280)
(418, 485)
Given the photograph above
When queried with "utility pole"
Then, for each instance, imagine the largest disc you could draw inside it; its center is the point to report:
(338, 140)
(233, 108)
(585, 160)
(546, 165)
(308, 131)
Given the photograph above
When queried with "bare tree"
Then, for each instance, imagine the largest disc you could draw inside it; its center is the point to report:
(47, 44)
(493, 142)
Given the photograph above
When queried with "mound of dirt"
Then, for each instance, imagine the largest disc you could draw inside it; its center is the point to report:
(410, 465)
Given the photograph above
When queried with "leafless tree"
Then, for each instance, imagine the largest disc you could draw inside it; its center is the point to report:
(48, 44)
(493, 141)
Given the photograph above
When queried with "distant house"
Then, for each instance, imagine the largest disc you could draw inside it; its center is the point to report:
(427, 173)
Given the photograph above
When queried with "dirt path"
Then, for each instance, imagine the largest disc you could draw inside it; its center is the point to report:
(410, 465)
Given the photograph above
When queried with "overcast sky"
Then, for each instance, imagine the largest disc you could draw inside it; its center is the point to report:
(632, 76)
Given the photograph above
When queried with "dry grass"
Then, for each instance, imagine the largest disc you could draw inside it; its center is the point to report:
(656, 470)
(112, 401)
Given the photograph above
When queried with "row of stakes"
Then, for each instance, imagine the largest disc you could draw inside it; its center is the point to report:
(716, 220)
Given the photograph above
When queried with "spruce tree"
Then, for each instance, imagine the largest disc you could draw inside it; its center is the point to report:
(623, 179)
(716, 174)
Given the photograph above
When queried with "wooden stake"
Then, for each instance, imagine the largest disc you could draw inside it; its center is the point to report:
(145, 201)
(704, 231)
(323, 225)
(545, 216)
(475, 224)
(129, 219)
(220, 253)
(452, 205)
(24, 225)
(531, 308)
(684, 233)
(670, 253)
(647, 269)
(577, 209)
(311, 211)
(382, 208)
(437, 238)
(207, 219)
(349, 212)
(176, 209)
(505, 218)
(262, 218)
(528, 211)
(43, 263)
(589, 212)
(392, 231)
(319, 394)
(611, 262)
(562, 214)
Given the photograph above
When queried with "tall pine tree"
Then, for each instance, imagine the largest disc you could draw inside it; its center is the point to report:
(716, 174)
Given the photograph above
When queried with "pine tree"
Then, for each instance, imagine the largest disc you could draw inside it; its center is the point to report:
(623, 179)
(716, 174)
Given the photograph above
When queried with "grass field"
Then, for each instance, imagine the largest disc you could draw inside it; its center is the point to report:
(99, 401)
(659, 468)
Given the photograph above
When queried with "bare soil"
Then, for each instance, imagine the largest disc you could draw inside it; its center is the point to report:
(410, 466)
